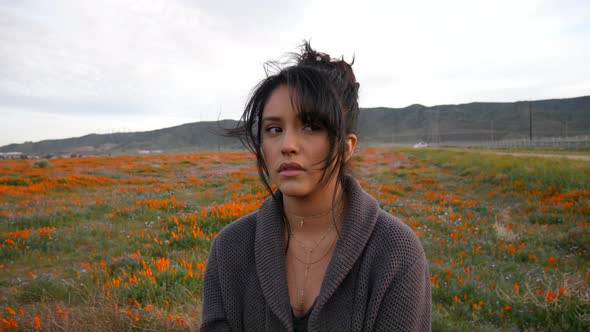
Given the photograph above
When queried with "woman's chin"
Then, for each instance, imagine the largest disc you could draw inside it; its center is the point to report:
(294, 190)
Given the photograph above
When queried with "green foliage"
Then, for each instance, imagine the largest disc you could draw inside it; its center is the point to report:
(545, 218)
(535, 172)
(42, 163)
(46, 288)
(13, 182)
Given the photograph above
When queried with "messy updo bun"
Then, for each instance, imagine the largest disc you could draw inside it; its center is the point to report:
(322, 89)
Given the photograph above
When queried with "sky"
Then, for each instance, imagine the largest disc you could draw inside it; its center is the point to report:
(74, 67)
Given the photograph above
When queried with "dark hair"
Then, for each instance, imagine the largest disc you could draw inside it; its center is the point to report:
(323, 90)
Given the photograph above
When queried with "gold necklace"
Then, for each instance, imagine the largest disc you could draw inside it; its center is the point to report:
(317, 243)
(302, 218)
(308, 262)
(309, 250)
(300, 291)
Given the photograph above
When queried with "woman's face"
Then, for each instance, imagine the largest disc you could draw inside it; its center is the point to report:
(295, 152)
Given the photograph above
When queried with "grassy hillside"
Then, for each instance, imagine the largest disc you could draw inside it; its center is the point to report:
(444, 123)
(477, 121)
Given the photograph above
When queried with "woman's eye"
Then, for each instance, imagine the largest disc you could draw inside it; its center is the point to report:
(311, 127)
(273, 129)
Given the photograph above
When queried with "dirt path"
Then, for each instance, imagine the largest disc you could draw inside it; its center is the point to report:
(520, 154)
(543, 155)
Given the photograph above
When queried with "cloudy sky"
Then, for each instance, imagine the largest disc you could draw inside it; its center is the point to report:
(74, 67)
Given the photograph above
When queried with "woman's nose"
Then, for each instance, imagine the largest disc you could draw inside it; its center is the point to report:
(290, 142)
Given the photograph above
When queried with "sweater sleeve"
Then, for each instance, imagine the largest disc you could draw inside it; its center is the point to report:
(406, 305)
(213, 318)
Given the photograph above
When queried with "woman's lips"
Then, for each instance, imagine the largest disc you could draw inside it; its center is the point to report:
(291, 172)
(290, 169)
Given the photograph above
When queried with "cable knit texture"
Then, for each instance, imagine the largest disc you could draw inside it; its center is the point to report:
(377, 279)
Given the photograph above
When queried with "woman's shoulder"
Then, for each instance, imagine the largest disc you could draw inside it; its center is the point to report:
(240, 232)
(395, 239)
(391, 241)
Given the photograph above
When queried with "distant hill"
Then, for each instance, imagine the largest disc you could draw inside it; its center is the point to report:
(476, 121)
(436, 124)
(186, 137)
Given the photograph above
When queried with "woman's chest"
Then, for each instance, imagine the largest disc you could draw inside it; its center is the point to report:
(260, 298)
(304, 281)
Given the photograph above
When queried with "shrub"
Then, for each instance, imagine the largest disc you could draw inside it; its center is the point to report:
(42, 163)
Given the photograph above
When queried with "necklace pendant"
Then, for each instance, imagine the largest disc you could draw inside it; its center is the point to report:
(301, 222)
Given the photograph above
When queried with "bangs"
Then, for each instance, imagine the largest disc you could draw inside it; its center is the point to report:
(317, 103)
(308, 87)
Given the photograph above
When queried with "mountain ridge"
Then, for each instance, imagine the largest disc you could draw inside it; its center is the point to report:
(474, 121)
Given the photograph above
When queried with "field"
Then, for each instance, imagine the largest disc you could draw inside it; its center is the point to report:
(121, 243)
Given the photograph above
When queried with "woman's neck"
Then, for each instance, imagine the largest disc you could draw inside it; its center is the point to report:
(308, 215)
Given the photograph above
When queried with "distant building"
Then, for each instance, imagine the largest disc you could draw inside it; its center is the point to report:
(148, 151)
(12, 155)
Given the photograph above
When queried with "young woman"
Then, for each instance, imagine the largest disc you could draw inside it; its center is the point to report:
(319, 254)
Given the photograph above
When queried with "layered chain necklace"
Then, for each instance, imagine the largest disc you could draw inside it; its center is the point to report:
(302, 218)
(309, 250)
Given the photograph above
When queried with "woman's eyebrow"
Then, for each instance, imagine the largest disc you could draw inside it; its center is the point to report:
(271, 118)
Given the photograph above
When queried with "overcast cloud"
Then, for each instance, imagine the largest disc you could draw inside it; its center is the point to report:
(74, 67)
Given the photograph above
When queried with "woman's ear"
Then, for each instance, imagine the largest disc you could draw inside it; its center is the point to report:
(351, 141)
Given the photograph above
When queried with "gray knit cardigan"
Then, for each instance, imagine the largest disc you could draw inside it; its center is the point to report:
(377, 279)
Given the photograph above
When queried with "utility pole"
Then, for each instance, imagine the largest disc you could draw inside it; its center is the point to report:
(530, 122)
(437, 125)
(217, 136)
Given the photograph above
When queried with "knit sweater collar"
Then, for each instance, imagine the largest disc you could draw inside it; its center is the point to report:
(359, 220)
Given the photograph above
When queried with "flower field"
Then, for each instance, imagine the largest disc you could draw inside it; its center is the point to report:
(121, 243)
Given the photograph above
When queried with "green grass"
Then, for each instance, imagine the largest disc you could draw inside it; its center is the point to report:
(535, 171)
(581, 151)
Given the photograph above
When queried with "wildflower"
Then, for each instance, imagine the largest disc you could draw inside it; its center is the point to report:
(550, 296)
(507, 308)
(60, 312)
(449, 274)
(162, 263)
(433, 279)
(9, 323)
(37, 323)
